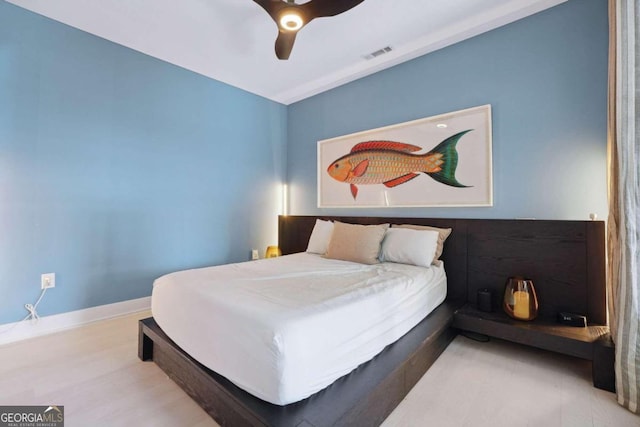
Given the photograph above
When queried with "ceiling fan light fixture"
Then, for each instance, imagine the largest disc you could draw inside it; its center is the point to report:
(290, 20)
(291, 17)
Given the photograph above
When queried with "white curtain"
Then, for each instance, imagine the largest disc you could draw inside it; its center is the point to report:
(624, 197)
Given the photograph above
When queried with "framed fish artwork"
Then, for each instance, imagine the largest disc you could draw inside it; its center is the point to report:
(438, 161)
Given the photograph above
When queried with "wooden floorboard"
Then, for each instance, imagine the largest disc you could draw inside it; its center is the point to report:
(95, 373)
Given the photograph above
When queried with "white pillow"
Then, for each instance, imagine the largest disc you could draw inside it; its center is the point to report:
(444, 233)
(406, 246)
(320, 237)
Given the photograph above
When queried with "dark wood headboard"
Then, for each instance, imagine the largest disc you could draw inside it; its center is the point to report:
(565, 259)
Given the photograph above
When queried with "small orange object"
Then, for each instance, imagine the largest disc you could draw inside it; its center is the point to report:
(520, 299)
(272, 252)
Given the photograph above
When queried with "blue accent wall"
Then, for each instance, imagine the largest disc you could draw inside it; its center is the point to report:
(545, 77)
(116, 168)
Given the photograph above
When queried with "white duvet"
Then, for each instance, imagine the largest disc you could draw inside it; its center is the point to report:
(285, 328)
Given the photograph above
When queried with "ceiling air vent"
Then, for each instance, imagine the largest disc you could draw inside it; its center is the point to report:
(378, 52)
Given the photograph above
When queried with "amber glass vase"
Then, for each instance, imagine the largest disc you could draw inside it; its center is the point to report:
(520, 299)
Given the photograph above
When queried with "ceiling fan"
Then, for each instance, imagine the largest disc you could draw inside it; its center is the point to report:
(291, 17)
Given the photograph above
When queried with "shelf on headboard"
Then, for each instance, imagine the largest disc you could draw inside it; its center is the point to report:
(541, 333)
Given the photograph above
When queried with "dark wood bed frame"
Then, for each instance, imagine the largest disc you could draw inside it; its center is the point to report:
(565, 259)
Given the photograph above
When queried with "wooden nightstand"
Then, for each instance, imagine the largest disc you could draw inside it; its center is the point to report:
(591, 343)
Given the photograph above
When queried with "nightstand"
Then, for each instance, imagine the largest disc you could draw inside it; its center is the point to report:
(592, 342)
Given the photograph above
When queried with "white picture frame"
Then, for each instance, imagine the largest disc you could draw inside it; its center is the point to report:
(386, 165)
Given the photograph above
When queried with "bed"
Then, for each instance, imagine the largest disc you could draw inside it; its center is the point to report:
(366, 395)
(285, 328)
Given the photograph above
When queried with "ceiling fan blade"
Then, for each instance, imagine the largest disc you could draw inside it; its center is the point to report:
(284, 43)
(320, 8)
(272, 7)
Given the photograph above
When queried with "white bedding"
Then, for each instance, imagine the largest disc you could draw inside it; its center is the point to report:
(285, 328)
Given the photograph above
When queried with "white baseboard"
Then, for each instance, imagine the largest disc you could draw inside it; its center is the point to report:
(18, 331)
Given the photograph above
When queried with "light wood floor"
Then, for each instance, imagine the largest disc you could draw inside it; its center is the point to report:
(95, 373)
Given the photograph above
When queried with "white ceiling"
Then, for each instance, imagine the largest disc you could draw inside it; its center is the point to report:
(233, 40)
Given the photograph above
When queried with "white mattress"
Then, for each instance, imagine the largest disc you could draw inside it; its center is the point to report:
(285, 328)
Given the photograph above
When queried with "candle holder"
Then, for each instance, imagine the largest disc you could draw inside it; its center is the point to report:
(520, 300)
(272, 252)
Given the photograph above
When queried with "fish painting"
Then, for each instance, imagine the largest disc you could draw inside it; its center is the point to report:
(394, 163)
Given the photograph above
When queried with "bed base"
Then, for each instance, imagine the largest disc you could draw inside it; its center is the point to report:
(566, 258)
(365, 397)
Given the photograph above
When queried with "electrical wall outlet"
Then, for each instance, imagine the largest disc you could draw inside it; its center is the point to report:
(254, 254)
(48, 280)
